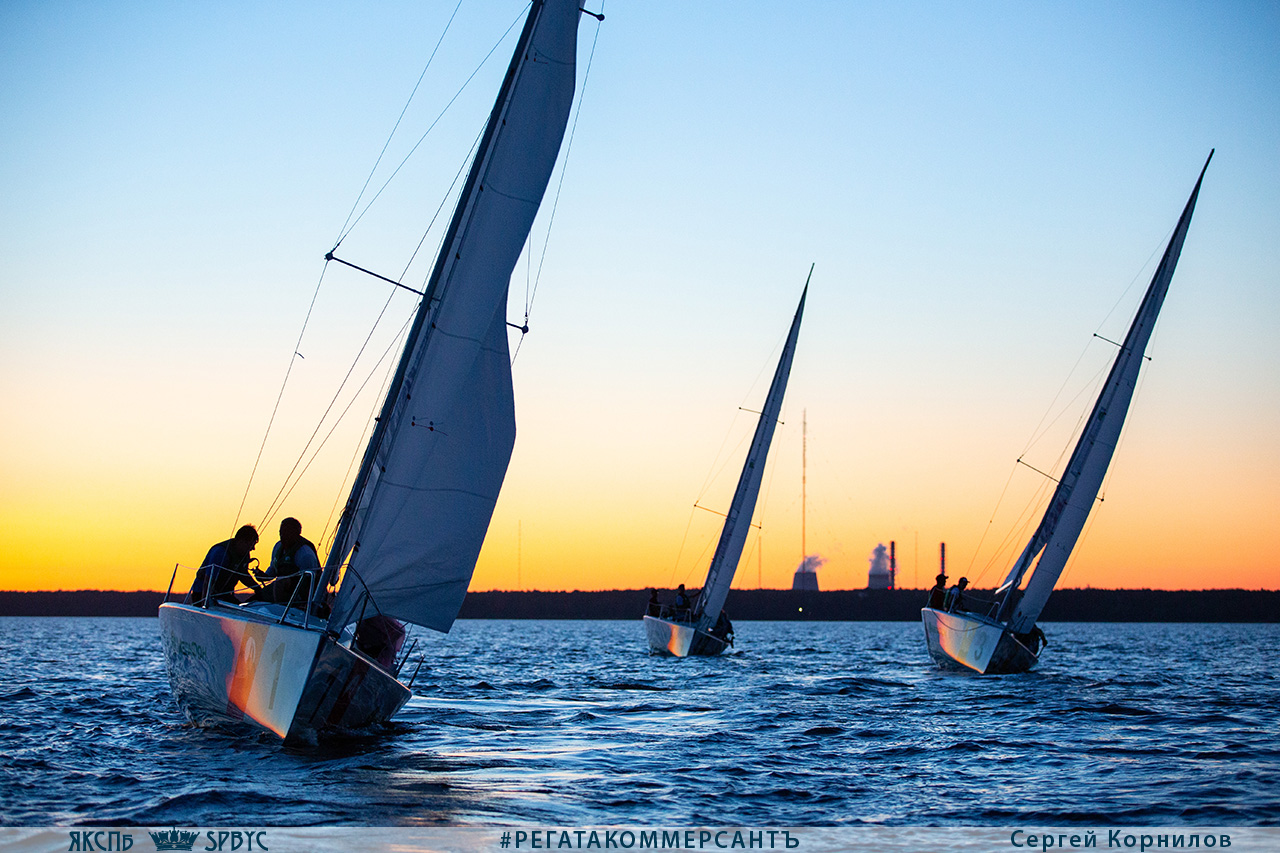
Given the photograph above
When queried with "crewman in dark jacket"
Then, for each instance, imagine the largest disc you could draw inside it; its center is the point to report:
(226, 564)
(291, 556)
(938, 595)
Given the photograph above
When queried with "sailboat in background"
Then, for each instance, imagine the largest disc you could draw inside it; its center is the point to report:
(1006, 639)
(420, 506)
(703, 629)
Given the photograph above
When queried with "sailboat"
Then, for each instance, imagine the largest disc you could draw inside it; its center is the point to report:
(703, 629)
(421, 503)
(1006, 639)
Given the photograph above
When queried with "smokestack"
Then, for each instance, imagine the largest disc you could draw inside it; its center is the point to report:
(880, 576)
(806, 576)
(893, 564)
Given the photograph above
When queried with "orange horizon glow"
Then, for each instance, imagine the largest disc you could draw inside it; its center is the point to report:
(606, 536)
(500, 570)
(622, 520)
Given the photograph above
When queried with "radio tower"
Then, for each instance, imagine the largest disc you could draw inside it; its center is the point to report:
(806, 576)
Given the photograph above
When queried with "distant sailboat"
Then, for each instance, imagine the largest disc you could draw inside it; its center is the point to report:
(421, 503)
(704, 629)
(1007, 639)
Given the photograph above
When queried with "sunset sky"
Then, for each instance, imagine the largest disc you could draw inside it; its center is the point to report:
(982, 188)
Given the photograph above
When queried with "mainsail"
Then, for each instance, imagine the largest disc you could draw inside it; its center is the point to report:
(738, 521)
(421, 504)
(1078, 488)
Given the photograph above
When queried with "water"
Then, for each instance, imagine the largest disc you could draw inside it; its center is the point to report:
(573, 723)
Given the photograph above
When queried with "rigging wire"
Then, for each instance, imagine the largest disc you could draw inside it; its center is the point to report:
(280, 396)
(568, 150)
(315, 295)
(1102, 489)
(762, 502)
(444, 200)
(1021, 523)
(348, 229)
(1140, 274)
(680, 551)
(718, 465)
(721, 459)
(327, 535)
(1041, 429)
(1016, 531)
(342, 232)
(696, 562)
(391, 348)
(1094, 384)
(348, 226)
(345, 231)
(358, 450)
(714, 475)
(399, 339)
(274, 505)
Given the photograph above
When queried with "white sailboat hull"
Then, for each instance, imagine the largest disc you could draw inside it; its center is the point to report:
(970, 641)
(680, 639)
(232, 665)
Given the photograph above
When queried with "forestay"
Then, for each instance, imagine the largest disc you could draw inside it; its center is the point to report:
(421, 506)
(724, 564)
(1078, 488)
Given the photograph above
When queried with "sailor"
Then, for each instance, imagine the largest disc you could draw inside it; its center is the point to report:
(226, 564)
(1034, 640)
(955, 596)
(723, 628)
(380, 637)
(682, 603)
(291, 556)
(938, 595)
(654, 607)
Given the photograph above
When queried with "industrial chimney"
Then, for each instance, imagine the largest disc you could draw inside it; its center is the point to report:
(893, 564)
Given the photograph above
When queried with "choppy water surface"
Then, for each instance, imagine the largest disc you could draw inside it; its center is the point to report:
(572, 723)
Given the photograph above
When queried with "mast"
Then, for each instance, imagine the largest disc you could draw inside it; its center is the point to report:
(1081, 481)
(421, 502)
(734, 534)
(339, 551)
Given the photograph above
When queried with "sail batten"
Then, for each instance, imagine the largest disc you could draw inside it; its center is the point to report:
(421, 505)
(733, 536)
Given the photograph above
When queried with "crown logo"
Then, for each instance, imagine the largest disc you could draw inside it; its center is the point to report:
(174, 839)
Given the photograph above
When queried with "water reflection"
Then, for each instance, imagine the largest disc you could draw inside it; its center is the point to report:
(574, 722)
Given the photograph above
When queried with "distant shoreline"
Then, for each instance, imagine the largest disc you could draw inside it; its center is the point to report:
(858, 605)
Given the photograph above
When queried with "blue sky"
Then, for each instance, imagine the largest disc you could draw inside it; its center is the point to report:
(980, 186)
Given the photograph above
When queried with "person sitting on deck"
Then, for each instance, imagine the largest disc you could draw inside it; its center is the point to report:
(938, 595)
(654, 608)
(955, 596)
(291, 556)
(682, 603)
(226, 565)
